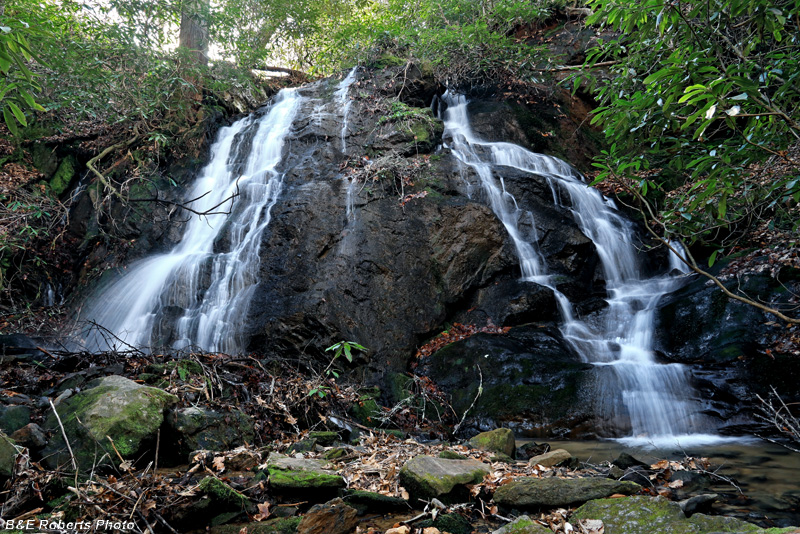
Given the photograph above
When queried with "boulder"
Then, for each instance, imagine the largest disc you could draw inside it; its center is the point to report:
(332, 517)
(426, 477)
(626, 461)
(110, 407)
(523, 525)
(445, 523)
(295, 474)
(646, 515)
(499, 440)
(203, 429)
(538, 384)
(14, 417)
(532, 493)
(31, 436)
(374, 502)
(526, 451)
(551, 459)
(8, 455)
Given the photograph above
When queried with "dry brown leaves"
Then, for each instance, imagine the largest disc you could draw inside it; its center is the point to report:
(456, 333)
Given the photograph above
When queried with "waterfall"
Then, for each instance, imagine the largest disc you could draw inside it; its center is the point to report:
(652, 396)
(198, 293)
(344, 102)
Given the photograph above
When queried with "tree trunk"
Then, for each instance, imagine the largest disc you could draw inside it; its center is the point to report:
(194, 30)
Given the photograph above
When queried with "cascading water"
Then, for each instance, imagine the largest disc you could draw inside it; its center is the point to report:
(198, 293)
(653, 396)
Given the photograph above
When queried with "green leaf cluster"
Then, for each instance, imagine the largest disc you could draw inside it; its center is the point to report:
(696, 91)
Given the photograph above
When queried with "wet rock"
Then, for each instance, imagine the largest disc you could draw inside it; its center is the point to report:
(8, 455)
(535, 376)
(626, 461)
(528, 450)
(31, 436)
(333, 517)
(12, 418)
(552, 458)
(532, 493)
(523, 525)
(698, 503)
(112, 406)
(499, 440)
(203, 429)
(18, 347)
(426, 477)
(637, 474)
(294, 474)
(615, 472)
(646, 515)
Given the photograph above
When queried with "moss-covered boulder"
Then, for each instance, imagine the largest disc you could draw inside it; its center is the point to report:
(222, 494)
(12, 418)
(523, 525)
(110, 407)
(298, 474)
(202, 429)
(426, 477)
(646, 515)
(452, 523)
(364, 501)
(534, 493)
(499, 440)
(63, 176)
(8, 455)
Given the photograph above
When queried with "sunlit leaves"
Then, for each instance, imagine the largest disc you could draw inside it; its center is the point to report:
(700, 90)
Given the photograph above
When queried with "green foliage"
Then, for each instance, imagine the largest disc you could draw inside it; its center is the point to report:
(342, 348)
(698, 91)
(463, 39)
(17, 84)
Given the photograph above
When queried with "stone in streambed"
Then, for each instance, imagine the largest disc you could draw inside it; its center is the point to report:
(114, 407)
(293, 474)
(523, 525)
(647, 515)
(552, 458)
(332, 517)
(528, 492)
(426, 477)
(8, 455)
(500, 440)
(202, 429)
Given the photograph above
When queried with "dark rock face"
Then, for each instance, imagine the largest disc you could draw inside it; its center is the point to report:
(724, 340)
(390, 274)
(533, 381)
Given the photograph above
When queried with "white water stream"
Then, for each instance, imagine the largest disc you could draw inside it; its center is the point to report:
(195, 295)
(652, 396)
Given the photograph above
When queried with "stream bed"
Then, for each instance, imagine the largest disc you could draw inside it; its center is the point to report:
(767, 475)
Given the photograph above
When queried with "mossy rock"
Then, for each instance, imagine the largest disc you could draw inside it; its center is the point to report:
(452, 523)
(63, 176)
(500, 440)
(202, 429)
(222, 493)
(12, 418)
(388, 60)
(646, 515)
(8, 455)
(426, 477)
(295, 474)
(366, 411)
(523, 525)
(324, 437)
(451, 455)
(114, 407)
